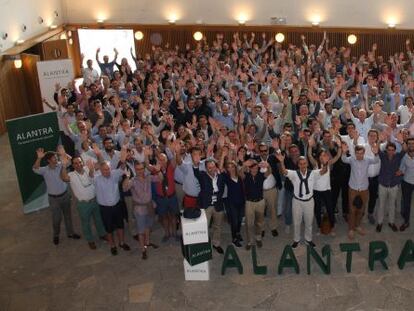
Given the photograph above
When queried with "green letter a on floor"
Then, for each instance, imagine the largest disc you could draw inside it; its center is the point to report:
(257, 269)
(349, 248)
(231, 260)
(407, 254)
(288, 260)
(326, 252)
(378, 251)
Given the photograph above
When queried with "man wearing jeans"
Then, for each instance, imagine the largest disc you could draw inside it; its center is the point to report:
(57, 189)
(389, 179)
(407, 185)
(358, 184)
(255, 204)
(211, 198)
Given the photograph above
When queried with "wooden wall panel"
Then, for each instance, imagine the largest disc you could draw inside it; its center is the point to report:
(13, 99)
(389, 41)
(32, 82)
(19, 89)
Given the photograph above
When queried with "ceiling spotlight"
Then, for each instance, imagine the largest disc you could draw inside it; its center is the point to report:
(198, 36)
(280, 37)
(172, 21)
(40, 20)
(70, 41)
(242, 22)
(53, 26)
(352, 39)
(69, 33)
(391, 25)
(139, 35)
(315, 24)
(100, 21)
(20, 41)
(63, 36)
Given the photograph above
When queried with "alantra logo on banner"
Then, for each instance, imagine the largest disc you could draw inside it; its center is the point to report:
(55, 73)
(36, 133)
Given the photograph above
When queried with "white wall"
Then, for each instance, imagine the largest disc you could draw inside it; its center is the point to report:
(342, 13)
(15, 13)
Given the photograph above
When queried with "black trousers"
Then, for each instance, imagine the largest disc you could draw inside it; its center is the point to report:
(324, 198)
(407, 191)
(373, 193)
(235, 214)
(339, 184)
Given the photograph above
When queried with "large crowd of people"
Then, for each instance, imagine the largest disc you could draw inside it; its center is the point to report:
(250, 131)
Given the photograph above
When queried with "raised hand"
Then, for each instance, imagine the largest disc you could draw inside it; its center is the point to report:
(40, 152)
(96, 149)
(90, 164)
(61, 151)
(280, 156)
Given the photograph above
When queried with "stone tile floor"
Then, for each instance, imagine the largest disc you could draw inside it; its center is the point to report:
(36, 275)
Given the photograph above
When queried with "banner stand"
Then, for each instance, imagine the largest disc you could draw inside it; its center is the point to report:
(26, 134)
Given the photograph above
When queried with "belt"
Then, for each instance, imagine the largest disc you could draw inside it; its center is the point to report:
(178, 182)
(306, 200)
(57, 195)
(269, 189)
(254, 200)
(388, 186)
(87, 201)
(109, 206)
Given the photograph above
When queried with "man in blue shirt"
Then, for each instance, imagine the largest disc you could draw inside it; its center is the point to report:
(107, 67)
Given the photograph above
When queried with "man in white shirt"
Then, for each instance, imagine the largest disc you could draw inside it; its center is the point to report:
(404, 111)
(90, 75)
(81, 183)
(352, 139)
(303, 181)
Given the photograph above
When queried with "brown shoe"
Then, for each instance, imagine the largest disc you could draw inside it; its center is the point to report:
(92, 245)
(360, 231)
(404, 226)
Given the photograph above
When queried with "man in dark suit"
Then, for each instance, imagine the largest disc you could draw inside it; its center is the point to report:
(211, 198)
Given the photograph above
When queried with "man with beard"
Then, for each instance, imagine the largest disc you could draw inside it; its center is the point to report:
(81, 183)
(110, 154)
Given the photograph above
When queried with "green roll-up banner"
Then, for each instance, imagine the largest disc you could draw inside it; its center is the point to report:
(26, 134)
